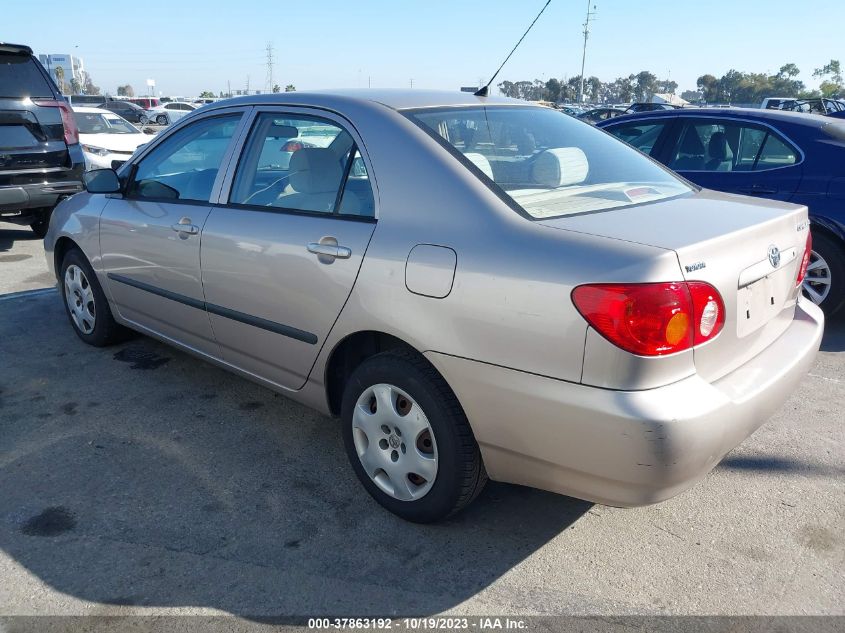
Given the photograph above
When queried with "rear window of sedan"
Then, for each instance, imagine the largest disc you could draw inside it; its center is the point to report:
(546, 163)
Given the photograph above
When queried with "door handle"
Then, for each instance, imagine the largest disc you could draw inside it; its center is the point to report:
(184, 226)
(329, 250)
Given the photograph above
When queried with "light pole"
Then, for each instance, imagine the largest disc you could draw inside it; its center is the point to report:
(590, 14)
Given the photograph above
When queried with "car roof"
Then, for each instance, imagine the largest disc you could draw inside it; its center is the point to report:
(396, 99)
(784, 116)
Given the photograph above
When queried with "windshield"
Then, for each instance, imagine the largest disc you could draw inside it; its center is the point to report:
(548, 163)
(95, 123)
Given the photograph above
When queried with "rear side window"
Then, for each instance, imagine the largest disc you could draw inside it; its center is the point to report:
(643, 136)
(302, 163)
(719, 145)
(20, 77)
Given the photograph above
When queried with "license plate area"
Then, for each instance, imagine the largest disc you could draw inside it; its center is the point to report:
(759, 302)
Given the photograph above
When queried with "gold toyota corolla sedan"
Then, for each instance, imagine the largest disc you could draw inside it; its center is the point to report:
(477, 287)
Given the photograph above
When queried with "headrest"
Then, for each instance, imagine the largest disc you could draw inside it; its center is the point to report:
(560, 167)
(718, 147)
(314, 170)
(480, 161)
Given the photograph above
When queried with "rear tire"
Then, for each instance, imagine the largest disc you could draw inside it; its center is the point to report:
(161, 119)
(85, 303)
(458, 471)
(828, 256)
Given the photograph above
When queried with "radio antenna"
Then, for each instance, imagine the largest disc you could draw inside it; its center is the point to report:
(483, 92)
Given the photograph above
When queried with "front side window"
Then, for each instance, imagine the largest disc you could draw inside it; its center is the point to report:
(729, 146)
(546, 162)
(302, 163)
(643, 136)
(185, 165)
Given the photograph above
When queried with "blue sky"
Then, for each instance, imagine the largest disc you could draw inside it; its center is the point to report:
(189, 46)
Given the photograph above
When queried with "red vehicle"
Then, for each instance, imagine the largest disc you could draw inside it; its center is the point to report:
(145, 102)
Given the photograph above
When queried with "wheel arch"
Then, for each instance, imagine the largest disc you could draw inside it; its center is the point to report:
(62, 246)
(349, 353)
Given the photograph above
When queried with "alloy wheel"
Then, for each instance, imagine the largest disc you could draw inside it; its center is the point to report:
(394, 442)
(816, 284)
(79, 297)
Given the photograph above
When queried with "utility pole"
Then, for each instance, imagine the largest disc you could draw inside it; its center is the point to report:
(268, 80)
(247, 84)
(228, 89)
(412, 83)
(590, 15)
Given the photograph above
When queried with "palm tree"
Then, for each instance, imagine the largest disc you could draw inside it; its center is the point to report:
(60, 77)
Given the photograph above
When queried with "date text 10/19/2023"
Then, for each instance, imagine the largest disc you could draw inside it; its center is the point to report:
(432, 624)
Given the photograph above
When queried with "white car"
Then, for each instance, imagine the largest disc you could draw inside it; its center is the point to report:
(167, 113)
(104, 136)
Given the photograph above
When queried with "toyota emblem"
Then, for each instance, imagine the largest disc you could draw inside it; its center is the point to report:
(774, 256)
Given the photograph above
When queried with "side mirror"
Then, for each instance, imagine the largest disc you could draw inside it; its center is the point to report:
(101, 181)
(117, 164)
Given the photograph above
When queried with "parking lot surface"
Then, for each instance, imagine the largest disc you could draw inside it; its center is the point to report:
(137, 479)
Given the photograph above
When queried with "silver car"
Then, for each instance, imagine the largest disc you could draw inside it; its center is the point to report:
(477, 287)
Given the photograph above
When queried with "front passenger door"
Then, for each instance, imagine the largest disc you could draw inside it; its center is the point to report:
(150, 238)
(280, 258)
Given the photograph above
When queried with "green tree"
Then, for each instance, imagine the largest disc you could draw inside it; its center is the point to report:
(553, 89)
(646, 86)
(75, 86)
(276, 88)
(693, 96)
(833, 86)
(88, 85)
(206, 94)
(592, 88)
(290, 88)
(708, 85)
(60, 78)
(508, 89)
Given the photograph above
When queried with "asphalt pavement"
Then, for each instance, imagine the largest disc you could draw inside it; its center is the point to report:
(139, 480)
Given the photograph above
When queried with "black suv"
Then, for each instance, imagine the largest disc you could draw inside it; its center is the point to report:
(40, 158)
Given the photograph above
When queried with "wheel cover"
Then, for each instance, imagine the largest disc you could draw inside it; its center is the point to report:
(161, 119)
(816, 283)
(79, 298)
(394, 442)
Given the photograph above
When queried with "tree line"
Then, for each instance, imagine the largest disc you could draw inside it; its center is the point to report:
(732, 87)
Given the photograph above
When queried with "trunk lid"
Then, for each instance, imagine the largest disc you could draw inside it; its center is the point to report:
(724, 240)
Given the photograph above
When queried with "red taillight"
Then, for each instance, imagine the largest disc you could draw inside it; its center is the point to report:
(653, 319)
(68, 122)
(292, 146)
(805, 261)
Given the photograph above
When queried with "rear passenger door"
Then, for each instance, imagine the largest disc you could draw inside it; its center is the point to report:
(280, 254)
(736, 156)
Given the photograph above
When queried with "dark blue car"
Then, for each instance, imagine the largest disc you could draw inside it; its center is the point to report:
(787, 156)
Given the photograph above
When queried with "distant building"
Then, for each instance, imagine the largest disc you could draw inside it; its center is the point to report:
(63, 68)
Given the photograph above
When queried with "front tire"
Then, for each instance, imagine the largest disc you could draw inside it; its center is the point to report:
(408, 439)
(161, 119)
(824, 283)
(85, 303)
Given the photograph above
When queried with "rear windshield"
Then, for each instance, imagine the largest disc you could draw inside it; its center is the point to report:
(548, 163)
(20, 77)
(94, 123)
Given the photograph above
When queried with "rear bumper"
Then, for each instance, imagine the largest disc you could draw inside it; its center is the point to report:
(625, 448)
(20, 192)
